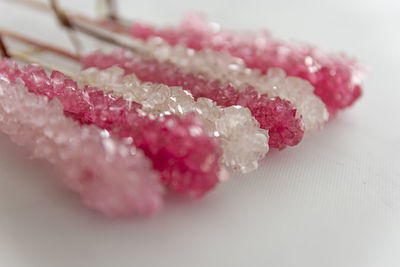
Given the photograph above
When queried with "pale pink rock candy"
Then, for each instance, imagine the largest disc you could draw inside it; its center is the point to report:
(109, 175)
(186, 157)
(276, 115)
(336, 78)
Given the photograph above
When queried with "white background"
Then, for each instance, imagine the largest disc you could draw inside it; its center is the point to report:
(332, 201)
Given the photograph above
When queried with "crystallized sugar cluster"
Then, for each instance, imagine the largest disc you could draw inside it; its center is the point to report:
(111, 176)
(226, 69)
(278, 116)
(185, 100)
(184, 154)
(336, 78)
(229, 70)
(242, 141)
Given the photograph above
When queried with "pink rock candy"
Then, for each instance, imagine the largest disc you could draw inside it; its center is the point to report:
(109, 175)
(276, 115)
(186, 157)
(336, 78)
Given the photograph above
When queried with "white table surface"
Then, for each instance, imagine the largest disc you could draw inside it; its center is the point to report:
(332, 201)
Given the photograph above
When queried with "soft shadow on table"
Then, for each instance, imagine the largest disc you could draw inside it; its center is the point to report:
(290, 211)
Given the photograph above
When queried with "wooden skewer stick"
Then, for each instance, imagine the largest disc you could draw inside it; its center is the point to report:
(107, 9)
(89, 27)
(119, 25)
(43, 46)
(49, 67)
(107, 30)
(25, 57)
(33, 4)
(3, 49)
(112, 9)
(37, 47)
(33, 51)
(63, 18)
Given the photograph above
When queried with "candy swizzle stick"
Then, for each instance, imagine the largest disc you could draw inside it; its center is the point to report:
(104, 170)
(107, 173)
(336, 78)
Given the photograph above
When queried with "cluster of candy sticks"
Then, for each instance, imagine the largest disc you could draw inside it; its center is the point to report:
(169, 109)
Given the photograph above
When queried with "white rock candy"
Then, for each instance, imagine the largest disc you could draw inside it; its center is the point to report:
(225, 68)
(243, 142)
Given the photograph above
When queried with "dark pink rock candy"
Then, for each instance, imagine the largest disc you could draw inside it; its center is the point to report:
(335, 77)
(188, 163)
